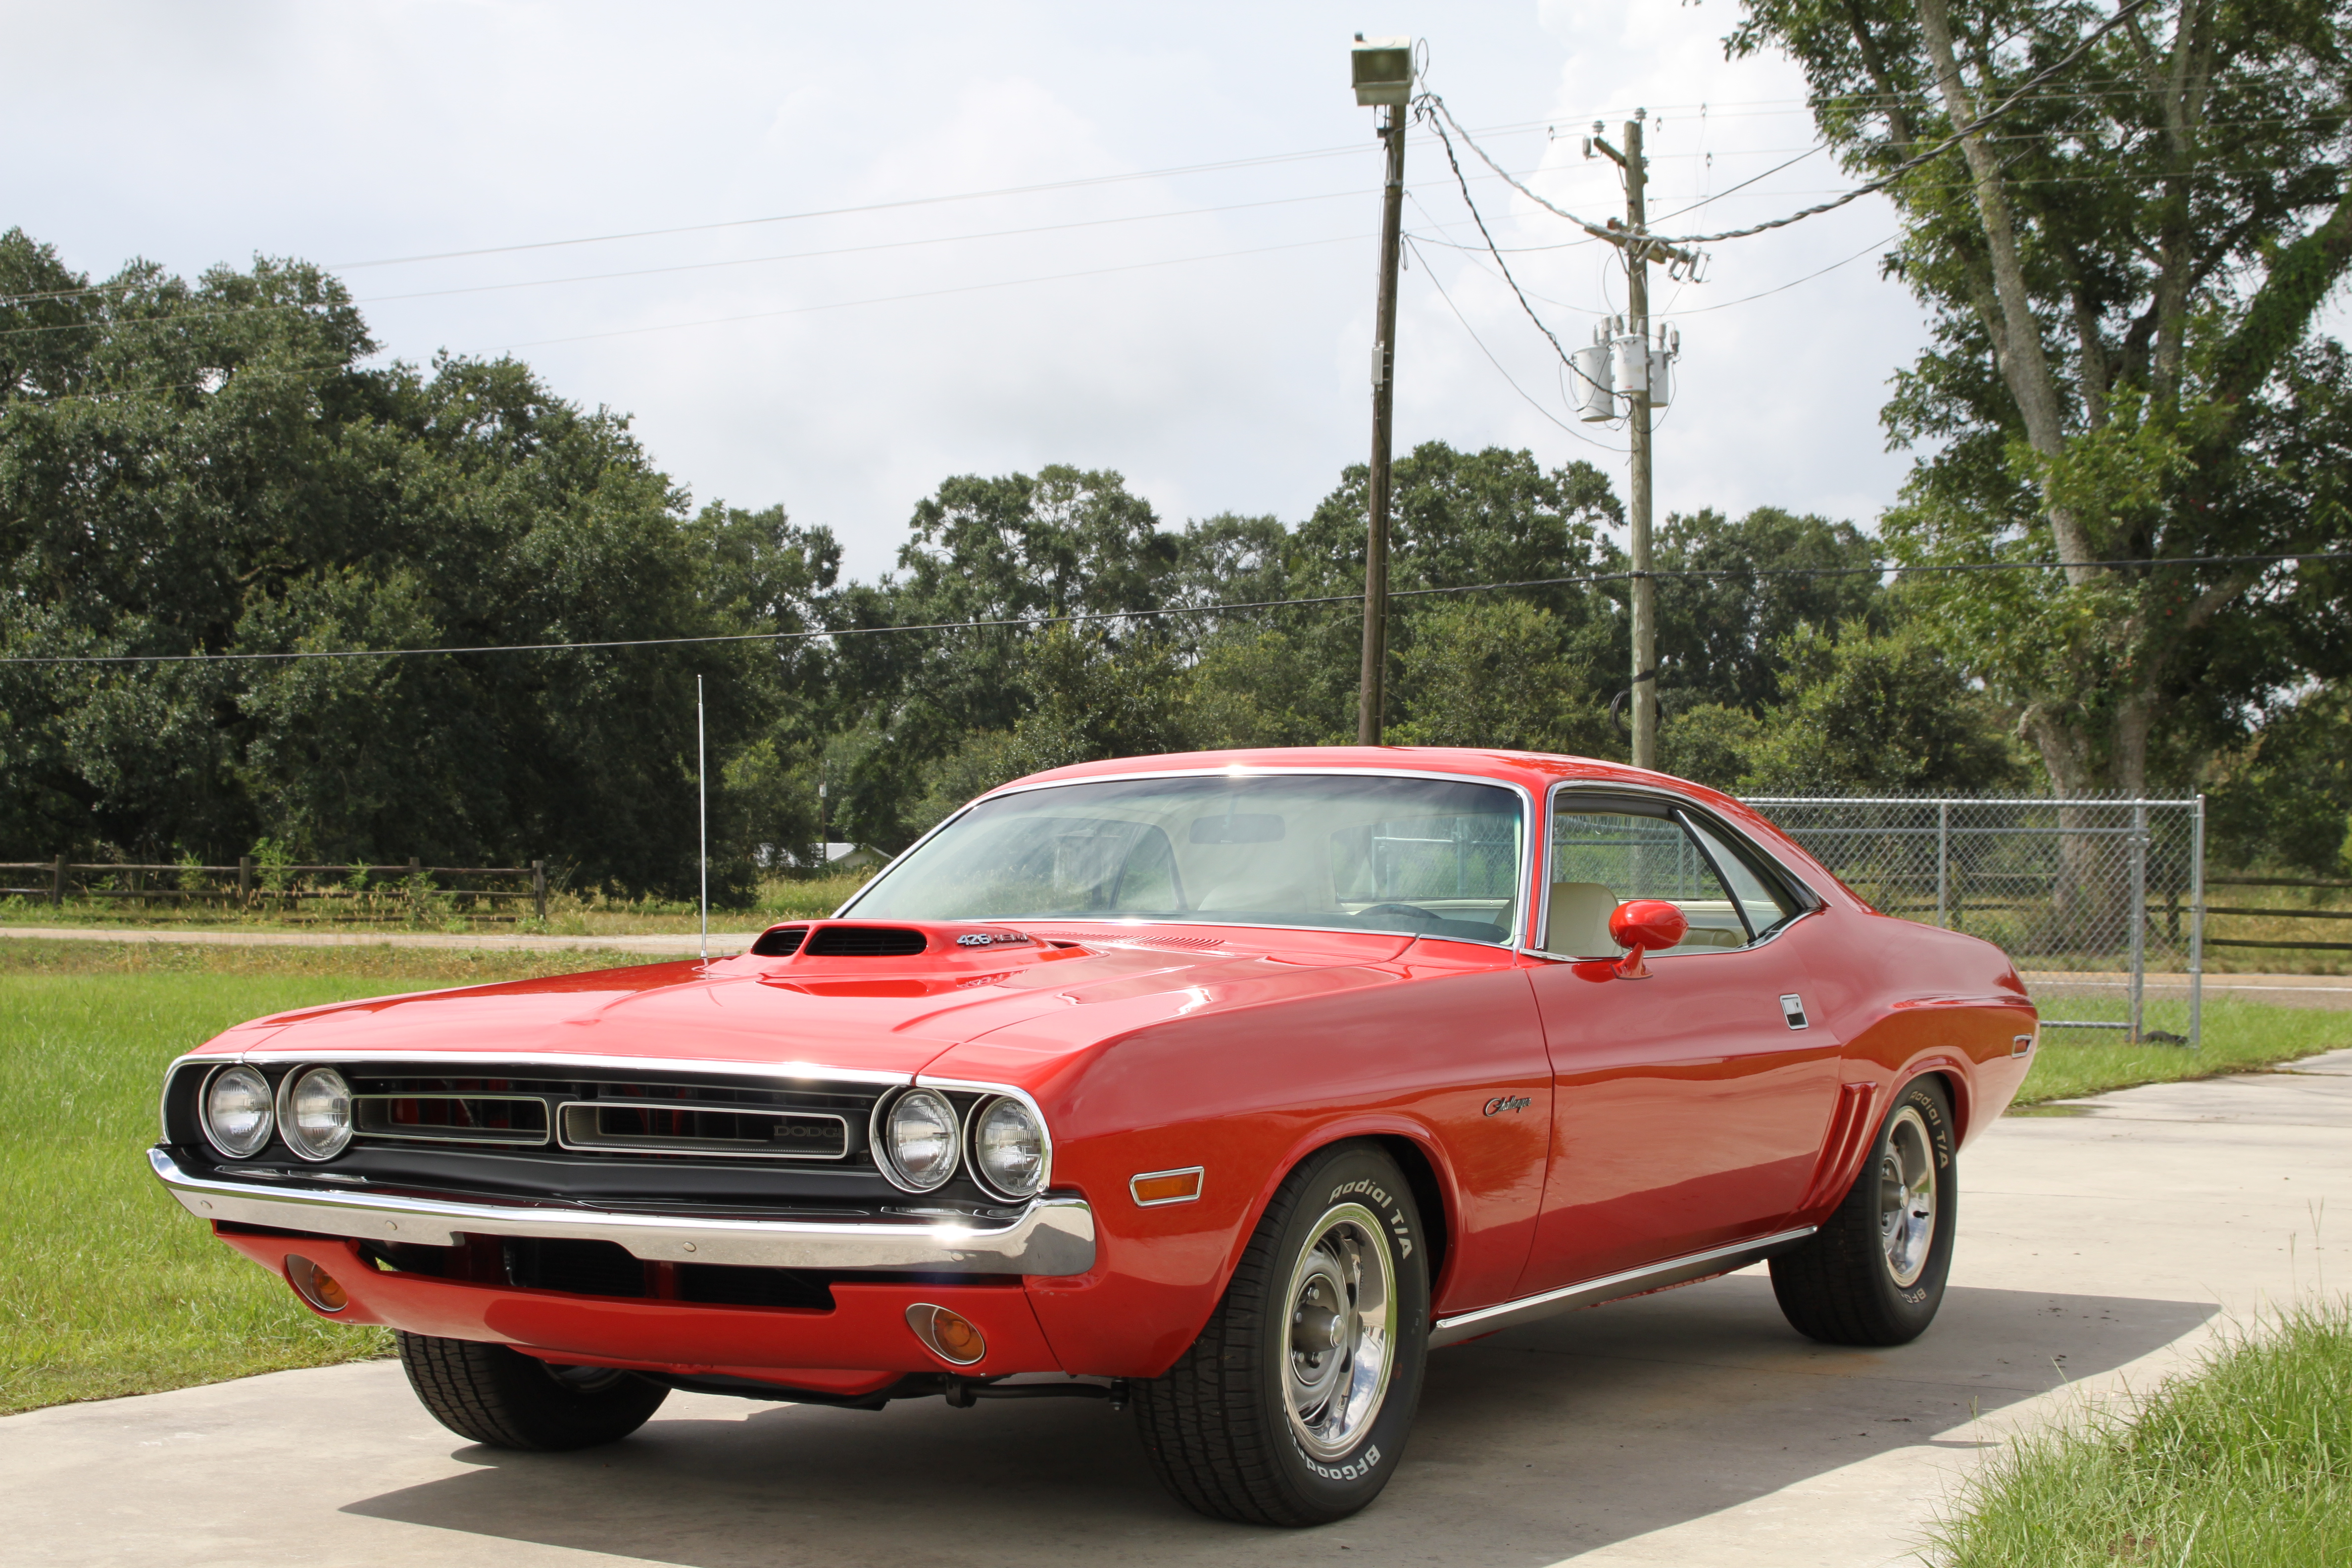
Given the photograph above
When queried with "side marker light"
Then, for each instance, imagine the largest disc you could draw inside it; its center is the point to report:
(1153, 1188)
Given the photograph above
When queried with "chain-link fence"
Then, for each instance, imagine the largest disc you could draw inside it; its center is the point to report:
(2099, 902)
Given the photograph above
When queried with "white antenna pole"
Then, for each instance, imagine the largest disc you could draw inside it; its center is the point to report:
(702, 806)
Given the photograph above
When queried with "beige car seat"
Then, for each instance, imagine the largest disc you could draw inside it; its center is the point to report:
(1577, 923)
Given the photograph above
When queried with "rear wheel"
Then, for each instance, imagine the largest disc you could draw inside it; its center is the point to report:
(1873, 1274)
(508, 1400)
(1293, 1406)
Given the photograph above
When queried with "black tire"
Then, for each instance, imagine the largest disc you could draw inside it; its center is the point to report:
(508, 1400)
(1873, 1274)
(1220, 1427)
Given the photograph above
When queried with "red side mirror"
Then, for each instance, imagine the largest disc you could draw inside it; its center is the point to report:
(1644, 925)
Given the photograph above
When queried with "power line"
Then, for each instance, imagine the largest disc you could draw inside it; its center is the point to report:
(935, 294)
(2130, 8)
(276, 373)
(1262, 161)
(1508, 379)
(1456, 164)
(1085, 616)
(1791, 283)
(239, 311)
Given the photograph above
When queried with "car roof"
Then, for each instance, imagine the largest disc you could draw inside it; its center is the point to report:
(1533, 771)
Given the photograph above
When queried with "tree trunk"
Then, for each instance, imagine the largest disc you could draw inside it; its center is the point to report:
(2024, 362)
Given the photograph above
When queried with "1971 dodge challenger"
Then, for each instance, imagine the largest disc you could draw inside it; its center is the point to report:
(1224, 1086)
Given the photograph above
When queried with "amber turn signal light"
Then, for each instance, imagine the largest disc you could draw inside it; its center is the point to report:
(951, 1336)
(315, 1285)
(1156, 1187)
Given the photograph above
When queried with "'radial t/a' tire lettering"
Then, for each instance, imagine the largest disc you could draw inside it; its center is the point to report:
(1293, 1406)
(1873, 1274)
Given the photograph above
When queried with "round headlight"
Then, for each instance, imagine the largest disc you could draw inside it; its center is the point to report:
(237, 1111)
(317, 1121)
(1008, 1148)
(919, 1140)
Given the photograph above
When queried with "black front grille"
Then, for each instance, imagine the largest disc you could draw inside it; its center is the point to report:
(866, 941)
(781, 942)
(462, 1113)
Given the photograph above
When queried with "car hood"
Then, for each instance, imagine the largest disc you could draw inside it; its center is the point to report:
(890, 1015)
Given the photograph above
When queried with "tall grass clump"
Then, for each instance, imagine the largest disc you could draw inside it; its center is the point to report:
(2244, 1462)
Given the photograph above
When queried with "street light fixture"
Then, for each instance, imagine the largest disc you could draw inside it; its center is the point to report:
(1383, 70)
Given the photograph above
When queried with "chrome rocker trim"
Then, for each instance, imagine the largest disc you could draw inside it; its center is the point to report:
(1051, 1235)
(1463, 1326)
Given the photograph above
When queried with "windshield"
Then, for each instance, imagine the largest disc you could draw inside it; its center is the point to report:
(1420, 856)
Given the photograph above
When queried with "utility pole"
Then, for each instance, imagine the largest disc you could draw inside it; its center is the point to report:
(1645, 587)
(1634, 364)
(1383, 77)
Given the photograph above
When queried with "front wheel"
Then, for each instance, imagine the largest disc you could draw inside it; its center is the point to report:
(1293, 1406)
(508, 1400)
(1873, 1274)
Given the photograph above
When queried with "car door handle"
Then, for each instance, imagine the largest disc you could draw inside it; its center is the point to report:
(1792, 1008)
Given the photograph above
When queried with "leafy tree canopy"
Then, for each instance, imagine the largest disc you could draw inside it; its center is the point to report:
(2121, 274)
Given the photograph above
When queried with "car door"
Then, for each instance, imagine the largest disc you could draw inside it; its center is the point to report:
(1688, 1107)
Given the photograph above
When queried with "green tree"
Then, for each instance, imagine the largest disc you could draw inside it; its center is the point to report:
(1095, 699)
(2285, 799)
(1875, 715)
(215, 468)
(2121, 274)
(1765, 574)
(1500, 673)
(1064, 541)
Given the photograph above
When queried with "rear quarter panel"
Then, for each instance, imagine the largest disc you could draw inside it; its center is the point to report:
(1908, 1000)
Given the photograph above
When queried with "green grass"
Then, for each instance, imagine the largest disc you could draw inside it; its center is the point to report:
(2245, 1462)
(107, 1287)
(589, 914)
(2239, 1036)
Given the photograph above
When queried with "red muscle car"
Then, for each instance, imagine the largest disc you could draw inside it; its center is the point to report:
(1224, 1086)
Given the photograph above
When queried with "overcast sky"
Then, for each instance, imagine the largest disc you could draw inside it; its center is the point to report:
(1192, 306)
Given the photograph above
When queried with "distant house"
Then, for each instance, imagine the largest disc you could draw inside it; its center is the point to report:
(851, 857)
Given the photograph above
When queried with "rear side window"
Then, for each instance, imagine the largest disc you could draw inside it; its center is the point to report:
(1765, 905)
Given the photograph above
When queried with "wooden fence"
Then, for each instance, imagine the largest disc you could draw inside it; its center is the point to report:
(353, 892)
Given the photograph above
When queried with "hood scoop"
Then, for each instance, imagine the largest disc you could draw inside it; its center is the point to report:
(864, 942)
(935, 945)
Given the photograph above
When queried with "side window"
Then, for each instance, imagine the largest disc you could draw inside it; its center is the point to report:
(1765, 905)
(1600, 858)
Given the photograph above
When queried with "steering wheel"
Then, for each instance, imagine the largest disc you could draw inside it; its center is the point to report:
(1410, 911)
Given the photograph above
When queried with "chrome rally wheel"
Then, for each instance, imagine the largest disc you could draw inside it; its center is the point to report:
(1907, 1197)
(1342, 1330)
(1293, 1406)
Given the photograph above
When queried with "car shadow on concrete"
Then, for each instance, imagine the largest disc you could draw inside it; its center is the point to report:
(1531, 1446)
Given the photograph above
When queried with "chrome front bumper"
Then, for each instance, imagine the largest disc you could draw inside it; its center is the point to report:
(1051, 1235)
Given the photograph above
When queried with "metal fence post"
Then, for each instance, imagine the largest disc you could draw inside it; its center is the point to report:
(2197, 926)
(1943, 863)
(539, 887)
(2138, 914)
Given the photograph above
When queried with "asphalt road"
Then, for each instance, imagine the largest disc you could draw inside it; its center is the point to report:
(2103, 1245)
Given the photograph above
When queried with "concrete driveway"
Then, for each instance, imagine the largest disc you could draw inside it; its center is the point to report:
(2098, 1245)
